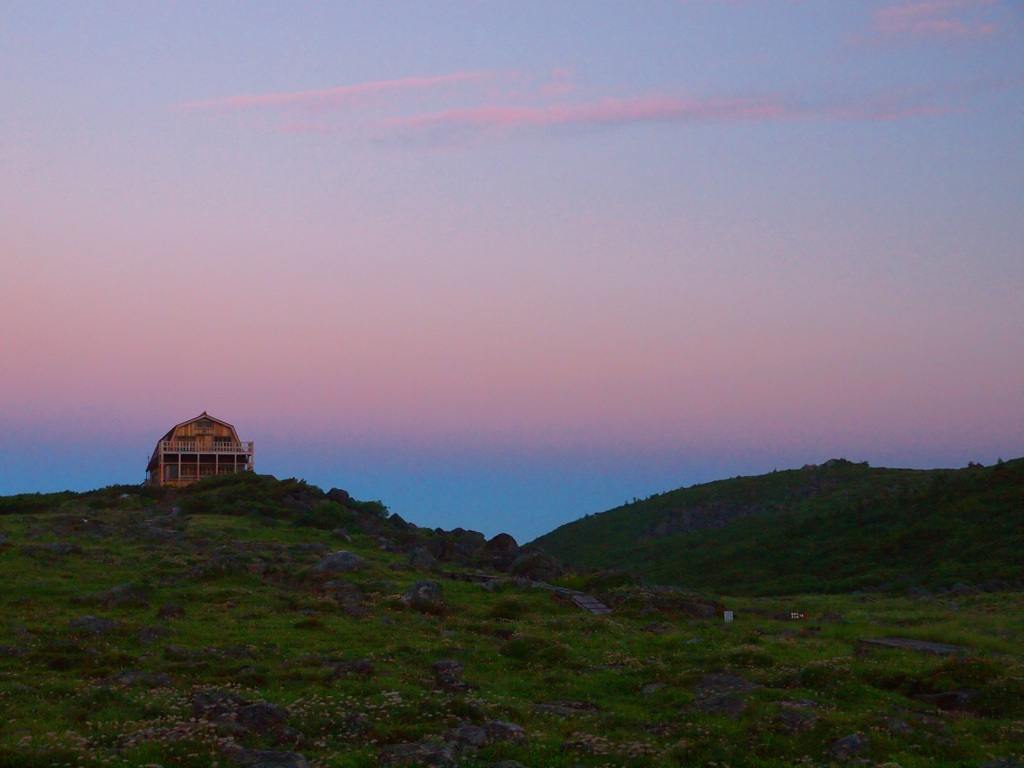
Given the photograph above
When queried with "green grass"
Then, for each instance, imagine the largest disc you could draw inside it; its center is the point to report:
(263, 630)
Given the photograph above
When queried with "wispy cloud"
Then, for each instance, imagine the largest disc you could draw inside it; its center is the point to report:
(941, 19)
(347, 96)
(467, 108)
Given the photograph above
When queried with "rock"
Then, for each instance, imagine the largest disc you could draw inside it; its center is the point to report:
(149, 635)
(338, 495)
(448, 666)
(502, 546)
(218, 565)
(425, 596)
(468, 735)
(421, 559)
(1001, 763)
(338, 562)
(211, 704)
(4, 541)
(963, 589)
(722, 682)
(131, 677)
(995, 585)
(368, 523)
(846, 747)
(948, 700)
(350, 667)
(399, 524)
(502, 730)
(94, 624)
(341, 534)
(387, 545)
(722, 704)
(8, 651)
(170, 611)
(265, 758)
(58, 549)
(261, 717)
(537, 565)
(312, 546)
(650, 688)
(418, 753)
(795, 722)
(921, 646)
(895, 725)
(565, 707)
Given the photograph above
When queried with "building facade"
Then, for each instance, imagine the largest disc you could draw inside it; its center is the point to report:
(198, 448)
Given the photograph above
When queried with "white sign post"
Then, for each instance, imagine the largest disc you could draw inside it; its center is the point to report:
(728, 617)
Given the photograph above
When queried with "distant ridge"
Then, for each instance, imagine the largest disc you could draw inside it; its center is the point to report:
(834, 527)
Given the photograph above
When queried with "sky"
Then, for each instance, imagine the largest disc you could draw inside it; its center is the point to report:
(504, 264)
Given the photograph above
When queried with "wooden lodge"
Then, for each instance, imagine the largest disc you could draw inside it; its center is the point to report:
(197, 448)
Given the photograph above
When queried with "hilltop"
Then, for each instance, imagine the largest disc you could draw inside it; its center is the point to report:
(835, 527)
(248, 621)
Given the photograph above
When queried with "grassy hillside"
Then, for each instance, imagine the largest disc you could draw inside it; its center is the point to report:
(142, 628)
(831, 528)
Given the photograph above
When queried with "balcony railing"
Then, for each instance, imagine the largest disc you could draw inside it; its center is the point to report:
(195, 446)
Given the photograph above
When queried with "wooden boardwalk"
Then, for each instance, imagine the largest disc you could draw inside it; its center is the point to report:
(592, 604)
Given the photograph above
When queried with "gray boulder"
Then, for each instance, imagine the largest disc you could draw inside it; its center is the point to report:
(848, 746)
(425, 596)
(338, 562)
(421, 559)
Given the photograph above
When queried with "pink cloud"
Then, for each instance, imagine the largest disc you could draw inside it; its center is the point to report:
(933, 19)
(333, 98)
(607, 112)
(500, 118)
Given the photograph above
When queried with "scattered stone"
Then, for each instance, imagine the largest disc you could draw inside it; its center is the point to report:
(650, 688)
(565, 707)
(425, 596)
(421, 559)
(921, 646)
(261, 717)
(502, 730)
(995, 585)
(387, 545)
(218, 565)
(4, 541)
(468, 735)
(448, 666)
(722, 704)
(170, 611)
(795, 722)
(723, 682)
(350, 667)
(132, 677)
(211, 704)
(94, 624)
(338, 562)
(60, 549)
(418, 753)
(848, 746)
(948, 700)
(264, 758)
(150, 635)
(7, 651)
(963, 589)
(1002, 762)
(311, 546)
(341, 534)
(895, 725)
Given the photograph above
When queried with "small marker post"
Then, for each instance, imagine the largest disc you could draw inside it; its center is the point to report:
(728, 617)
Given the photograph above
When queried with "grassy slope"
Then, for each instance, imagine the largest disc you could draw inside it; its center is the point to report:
(263, 630)
(828, 529)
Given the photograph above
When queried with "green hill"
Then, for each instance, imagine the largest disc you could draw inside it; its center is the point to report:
(219, 625)
(836, 527)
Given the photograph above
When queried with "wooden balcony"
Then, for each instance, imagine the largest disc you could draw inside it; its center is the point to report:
(196, 446)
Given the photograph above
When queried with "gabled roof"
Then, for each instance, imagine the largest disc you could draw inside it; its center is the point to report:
(203, 415)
